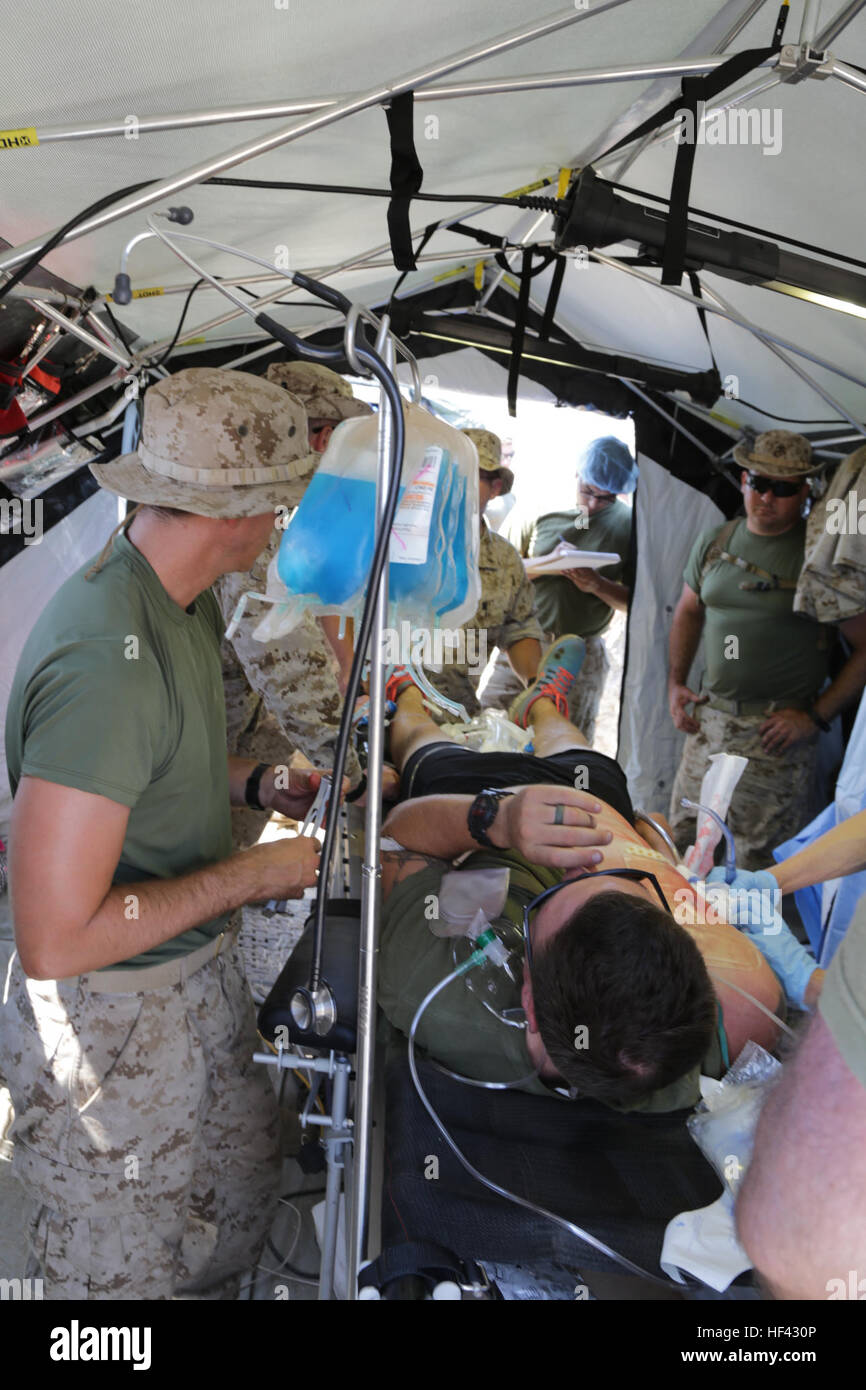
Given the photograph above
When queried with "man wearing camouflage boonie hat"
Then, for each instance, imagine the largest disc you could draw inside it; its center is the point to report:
(764, 694)
(288, 693)
(144, 1134)
(505, 617)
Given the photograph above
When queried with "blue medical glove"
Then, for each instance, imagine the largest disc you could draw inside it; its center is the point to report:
(756, 913)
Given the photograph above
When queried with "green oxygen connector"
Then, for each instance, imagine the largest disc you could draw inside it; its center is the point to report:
(489, 945)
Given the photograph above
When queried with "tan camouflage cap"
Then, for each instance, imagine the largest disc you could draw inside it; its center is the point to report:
(778, 454)
(489, 447)
(216, 443)
(325, 395)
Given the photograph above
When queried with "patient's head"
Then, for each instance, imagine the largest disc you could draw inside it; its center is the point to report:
(619, 994)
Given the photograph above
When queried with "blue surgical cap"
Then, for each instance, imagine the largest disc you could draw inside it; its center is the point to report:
(608, 465)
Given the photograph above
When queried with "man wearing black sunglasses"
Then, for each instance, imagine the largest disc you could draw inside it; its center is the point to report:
(615, 989)
(764, 688)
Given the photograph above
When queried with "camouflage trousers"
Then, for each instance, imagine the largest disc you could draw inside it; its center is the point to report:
(583, 699)
(771, 799)
(145, 1135)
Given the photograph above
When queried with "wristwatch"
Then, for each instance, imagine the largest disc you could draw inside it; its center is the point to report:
(482, 814)
(816, 719)
(251, 791)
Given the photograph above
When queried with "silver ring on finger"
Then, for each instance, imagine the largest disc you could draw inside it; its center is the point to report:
(559, 814)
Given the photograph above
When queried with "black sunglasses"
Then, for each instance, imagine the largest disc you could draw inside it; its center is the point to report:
(633, 874)
(775, 485)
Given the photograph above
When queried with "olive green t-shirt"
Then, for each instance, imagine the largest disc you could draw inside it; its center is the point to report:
(778, 654)
(118, 692)
(843, 998)
(560, 606)
(457, 1029)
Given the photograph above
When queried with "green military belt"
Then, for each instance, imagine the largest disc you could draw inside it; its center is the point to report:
(755, 706)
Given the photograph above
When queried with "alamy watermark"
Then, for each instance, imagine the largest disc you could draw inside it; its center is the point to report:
(435, 647)
(738, 125)
(22, 517)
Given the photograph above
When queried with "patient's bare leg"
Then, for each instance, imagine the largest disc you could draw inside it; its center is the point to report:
(552, 732)
(412, 727)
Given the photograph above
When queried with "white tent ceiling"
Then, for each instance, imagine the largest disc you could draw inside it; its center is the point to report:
(95, 62)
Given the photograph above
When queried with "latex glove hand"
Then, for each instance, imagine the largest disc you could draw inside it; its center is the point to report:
(753, 906)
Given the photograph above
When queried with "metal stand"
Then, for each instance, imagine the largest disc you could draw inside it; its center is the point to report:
(337, 1135)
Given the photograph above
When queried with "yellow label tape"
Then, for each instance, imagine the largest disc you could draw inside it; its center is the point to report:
(479, 275)
(18, 139)
(148, 293)
(448, 274)
(564, 181)
(528, 188)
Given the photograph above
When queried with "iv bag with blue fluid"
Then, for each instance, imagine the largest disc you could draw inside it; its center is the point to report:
(324, 557)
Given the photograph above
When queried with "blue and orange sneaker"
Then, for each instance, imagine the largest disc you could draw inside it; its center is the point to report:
(398, 679)
(557, 672)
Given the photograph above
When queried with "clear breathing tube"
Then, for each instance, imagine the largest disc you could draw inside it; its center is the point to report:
(475, 959)
(729, 984)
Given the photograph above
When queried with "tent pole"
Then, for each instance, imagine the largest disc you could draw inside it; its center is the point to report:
(850, 76)
(90, 339)
(374, 96)
(695, 408)
(492, 86)
(840, 439)
(728, 313)
(785, 357)
(722, 46)
(752, 89)
(483, 253)
(318, 273)
(837, 24)
(693, 439)
(112, 379)
(809, 22)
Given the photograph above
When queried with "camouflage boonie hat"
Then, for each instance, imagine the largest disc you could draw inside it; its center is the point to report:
(778, 454)
(325, 395)
(216, 443)
(489, 448)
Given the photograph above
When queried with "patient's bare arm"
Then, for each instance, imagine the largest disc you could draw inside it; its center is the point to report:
(801, 1214)
(526, 821)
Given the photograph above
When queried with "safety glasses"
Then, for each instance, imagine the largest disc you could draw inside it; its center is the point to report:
(635, 875)
(775, 485)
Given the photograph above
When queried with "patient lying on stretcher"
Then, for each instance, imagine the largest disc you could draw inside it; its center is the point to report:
(624, 986)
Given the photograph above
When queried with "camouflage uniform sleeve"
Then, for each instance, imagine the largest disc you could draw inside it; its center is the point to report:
(295, 675)
(518, 619)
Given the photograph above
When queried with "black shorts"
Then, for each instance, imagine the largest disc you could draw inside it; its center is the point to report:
(440, 768)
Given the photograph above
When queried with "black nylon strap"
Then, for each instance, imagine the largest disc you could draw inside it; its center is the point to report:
(519, 334)
(693, 91)
(478, 234)
(428, 232)
(552, 298)
(695, 283)
(406, 178)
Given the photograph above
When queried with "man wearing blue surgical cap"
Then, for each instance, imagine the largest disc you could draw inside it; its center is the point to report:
(582, 600)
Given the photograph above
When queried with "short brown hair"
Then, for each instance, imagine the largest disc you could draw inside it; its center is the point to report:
(623, 970)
